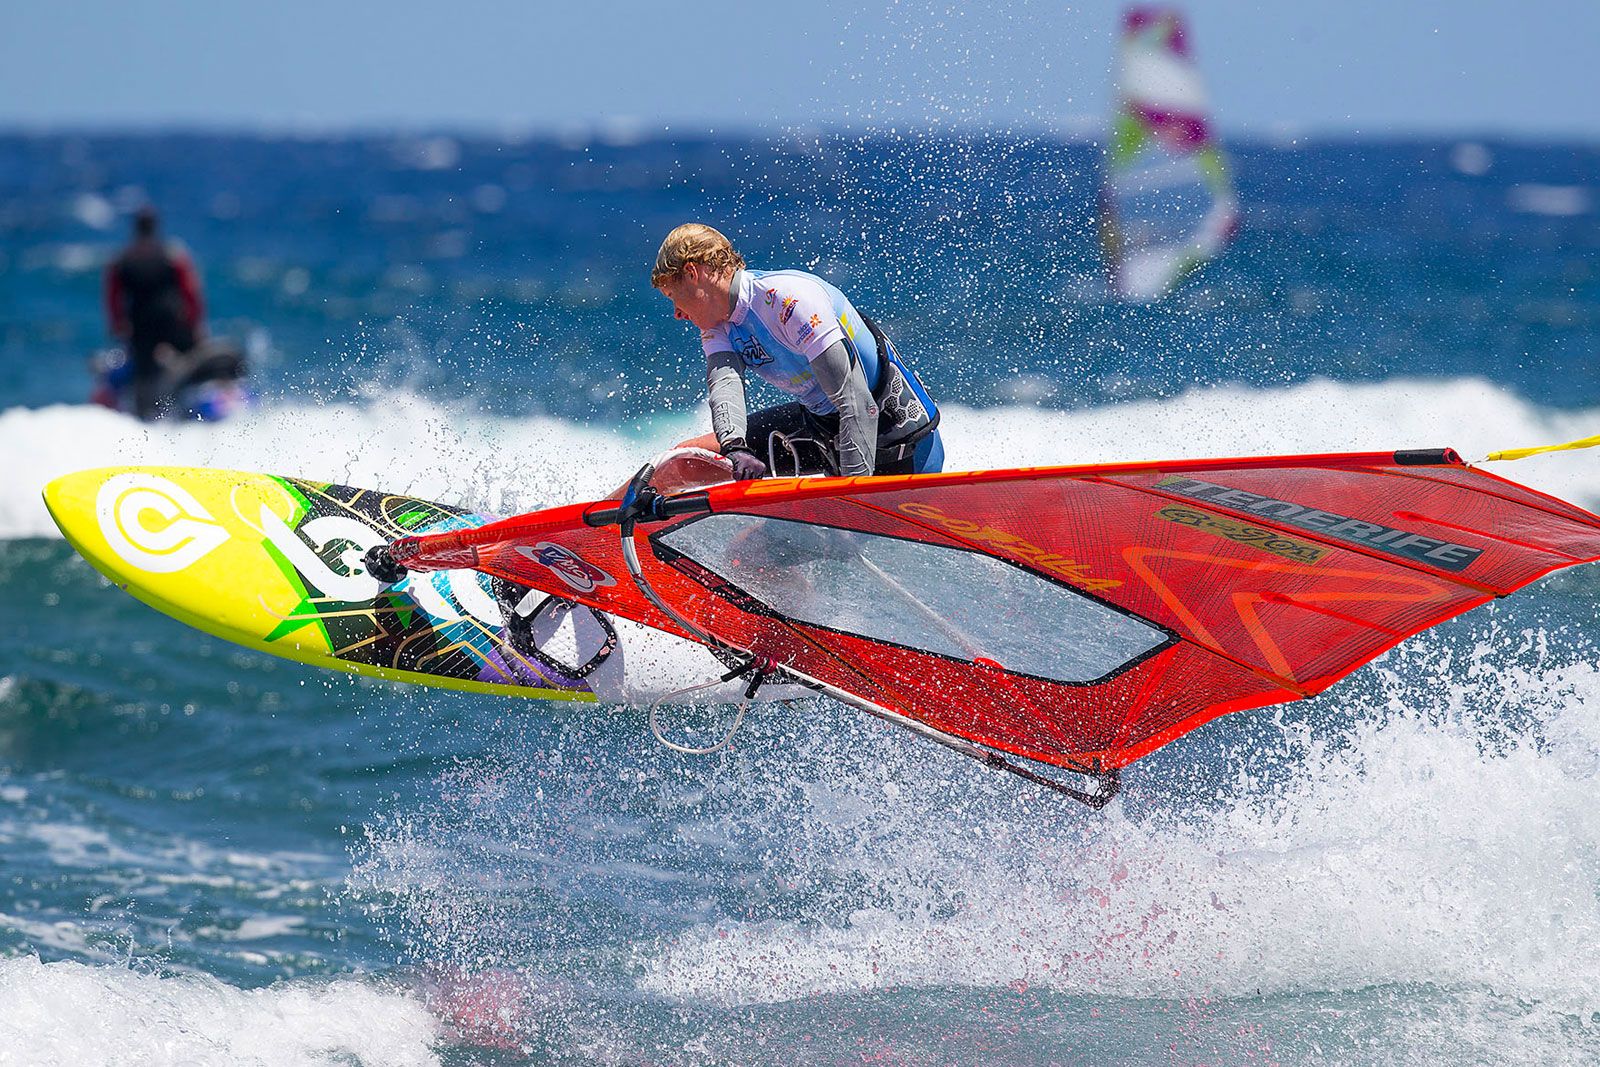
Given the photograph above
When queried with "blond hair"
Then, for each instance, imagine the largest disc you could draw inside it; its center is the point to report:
(694, 242)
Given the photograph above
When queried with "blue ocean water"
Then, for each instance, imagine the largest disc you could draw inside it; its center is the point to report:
(211, 856)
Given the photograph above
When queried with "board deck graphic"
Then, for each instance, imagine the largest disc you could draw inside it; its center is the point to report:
(274, 564)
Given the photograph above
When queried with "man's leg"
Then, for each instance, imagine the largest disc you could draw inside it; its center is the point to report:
(807, 450)
(926, 458)
(792, 422)
(929, 457)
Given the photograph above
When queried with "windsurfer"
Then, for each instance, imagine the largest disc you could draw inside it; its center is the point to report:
(859, 409)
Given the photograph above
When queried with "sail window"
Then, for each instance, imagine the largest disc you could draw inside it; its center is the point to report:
(945, 600)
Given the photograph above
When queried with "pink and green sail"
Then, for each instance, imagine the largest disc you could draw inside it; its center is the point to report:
(1167, 202)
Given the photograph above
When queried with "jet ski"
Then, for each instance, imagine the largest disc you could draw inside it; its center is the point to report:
(205, 384)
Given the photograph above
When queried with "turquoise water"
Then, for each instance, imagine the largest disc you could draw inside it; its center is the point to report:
(212, 856)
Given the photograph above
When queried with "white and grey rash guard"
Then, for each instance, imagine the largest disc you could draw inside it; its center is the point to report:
(839, 374)
(801, 334)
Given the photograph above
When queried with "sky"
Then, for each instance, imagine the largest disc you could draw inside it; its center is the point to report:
(1368, 67)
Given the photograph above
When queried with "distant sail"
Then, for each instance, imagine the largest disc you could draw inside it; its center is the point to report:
(1167, 203)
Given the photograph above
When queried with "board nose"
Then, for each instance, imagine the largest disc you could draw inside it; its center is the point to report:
(74, 502)
(70, 496)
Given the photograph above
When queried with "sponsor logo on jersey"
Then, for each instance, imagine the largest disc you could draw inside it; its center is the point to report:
(787, 311)
(577, 572)
(154, 524)
(772, 294)
(1392, 540)
(755, 355)
(810, 327)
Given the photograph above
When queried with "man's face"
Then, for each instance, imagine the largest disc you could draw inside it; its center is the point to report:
(699, 296)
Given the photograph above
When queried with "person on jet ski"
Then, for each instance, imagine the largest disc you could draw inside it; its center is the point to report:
(152, 296)
(859, 410)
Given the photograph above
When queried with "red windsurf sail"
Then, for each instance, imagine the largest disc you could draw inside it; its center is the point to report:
(1078, 616)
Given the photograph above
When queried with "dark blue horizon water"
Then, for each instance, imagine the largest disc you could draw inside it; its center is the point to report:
(212, 856)
(516, 273)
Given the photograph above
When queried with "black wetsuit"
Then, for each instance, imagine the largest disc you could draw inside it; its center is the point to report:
(152, 296)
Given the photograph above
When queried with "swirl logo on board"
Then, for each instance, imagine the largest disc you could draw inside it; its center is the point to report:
(155, 525)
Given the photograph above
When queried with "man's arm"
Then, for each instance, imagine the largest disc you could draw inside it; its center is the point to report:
(842, 378)
(116, 317)
(725, 393)
(729, 416)
(189, 286)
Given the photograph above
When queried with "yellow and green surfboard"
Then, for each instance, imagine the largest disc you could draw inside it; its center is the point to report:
(275, 564)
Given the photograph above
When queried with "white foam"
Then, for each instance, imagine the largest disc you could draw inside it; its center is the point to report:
(1558, 201)
(76, 1013)
(255, 928)
(1424, 846)
(1471, 415)
(406, 443)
